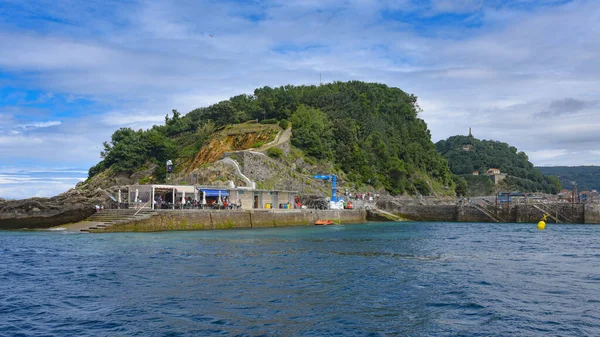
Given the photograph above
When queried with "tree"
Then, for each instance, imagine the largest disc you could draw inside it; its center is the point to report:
(461, 186)
(312, 132)
(176, 125)
(126, 151)
(159, 147)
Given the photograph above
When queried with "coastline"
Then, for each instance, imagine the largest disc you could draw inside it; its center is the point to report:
(132, 220)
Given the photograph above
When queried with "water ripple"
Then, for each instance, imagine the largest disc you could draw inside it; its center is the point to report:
(362, 280)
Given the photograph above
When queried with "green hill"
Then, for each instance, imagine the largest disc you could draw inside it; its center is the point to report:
(368, 133)
(466, 154)
(586, 177)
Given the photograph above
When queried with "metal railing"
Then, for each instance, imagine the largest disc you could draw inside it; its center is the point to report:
(141, 208)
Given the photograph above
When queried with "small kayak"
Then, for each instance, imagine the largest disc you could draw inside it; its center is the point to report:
(321, 222)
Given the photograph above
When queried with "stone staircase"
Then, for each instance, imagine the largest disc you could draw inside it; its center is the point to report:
(109, 217)
(554, 214)
(487, 213)
(376, 214)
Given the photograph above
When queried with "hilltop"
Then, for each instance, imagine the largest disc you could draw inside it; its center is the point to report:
(366, 133)
(471, 158)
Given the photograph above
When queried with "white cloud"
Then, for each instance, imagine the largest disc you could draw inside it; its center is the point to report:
(136, 119)
(38, 125)
(545, 155)
(18, 183)
(38, 189)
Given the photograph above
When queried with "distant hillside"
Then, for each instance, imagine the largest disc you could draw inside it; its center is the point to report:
(586, 177)
(466, 154)
(368, 133)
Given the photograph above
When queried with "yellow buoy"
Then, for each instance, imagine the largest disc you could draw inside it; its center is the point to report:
(541, 225)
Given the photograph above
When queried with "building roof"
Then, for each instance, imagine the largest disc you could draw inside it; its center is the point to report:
(215, 193)
(179, 188)
(192, 188)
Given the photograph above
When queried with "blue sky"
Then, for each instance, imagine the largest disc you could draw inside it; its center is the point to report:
(72, 72)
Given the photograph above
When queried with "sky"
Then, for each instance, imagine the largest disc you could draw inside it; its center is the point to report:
(525, 72)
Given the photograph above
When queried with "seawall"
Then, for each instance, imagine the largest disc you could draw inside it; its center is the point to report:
(166, 220)
(527, 213)
(592, 214)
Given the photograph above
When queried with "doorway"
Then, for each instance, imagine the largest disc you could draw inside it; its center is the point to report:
(274, 200)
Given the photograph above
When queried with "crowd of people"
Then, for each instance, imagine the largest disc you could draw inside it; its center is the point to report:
(189, 203)
(362, 196)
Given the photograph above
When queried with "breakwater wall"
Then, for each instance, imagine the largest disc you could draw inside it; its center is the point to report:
(529, 213)
(166, 220)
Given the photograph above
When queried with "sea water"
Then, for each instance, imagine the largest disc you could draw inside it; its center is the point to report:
(376, 279)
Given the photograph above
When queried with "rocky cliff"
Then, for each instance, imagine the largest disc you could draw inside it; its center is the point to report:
(233, 138)
(71, 206)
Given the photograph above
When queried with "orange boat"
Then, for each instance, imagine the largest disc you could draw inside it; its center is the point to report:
(321, 222)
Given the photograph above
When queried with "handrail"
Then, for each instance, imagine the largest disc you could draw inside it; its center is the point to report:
(141, 208)
(488, 213)
(549, 212)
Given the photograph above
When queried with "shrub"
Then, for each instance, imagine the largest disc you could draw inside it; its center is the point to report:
(145, 181)
(269, 121)
(422, 187)
(257, 144)
(284, 123)
(275, 152)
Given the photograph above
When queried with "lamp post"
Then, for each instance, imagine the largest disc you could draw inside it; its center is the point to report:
(169, 169)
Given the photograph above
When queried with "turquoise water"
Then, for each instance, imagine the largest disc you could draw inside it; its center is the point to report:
(418, 279)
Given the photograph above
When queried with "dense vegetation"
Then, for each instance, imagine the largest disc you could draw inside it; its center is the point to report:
(479, 185)
(585, 177)
(369, 131)
(466, 154)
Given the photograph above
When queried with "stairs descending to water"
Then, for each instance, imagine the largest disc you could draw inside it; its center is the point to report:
(108, 217)
(554, 214)
(376, 214)
(487, 213)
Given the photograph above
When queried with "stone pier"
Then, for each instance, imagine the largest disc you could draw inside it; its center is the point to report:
(165, 220)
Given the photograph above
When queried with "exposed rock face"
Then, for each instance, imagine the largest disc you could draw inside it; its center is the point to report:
(234, 141)
(114, 180)
(273, 174)
(315, 202)
(70, 206)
